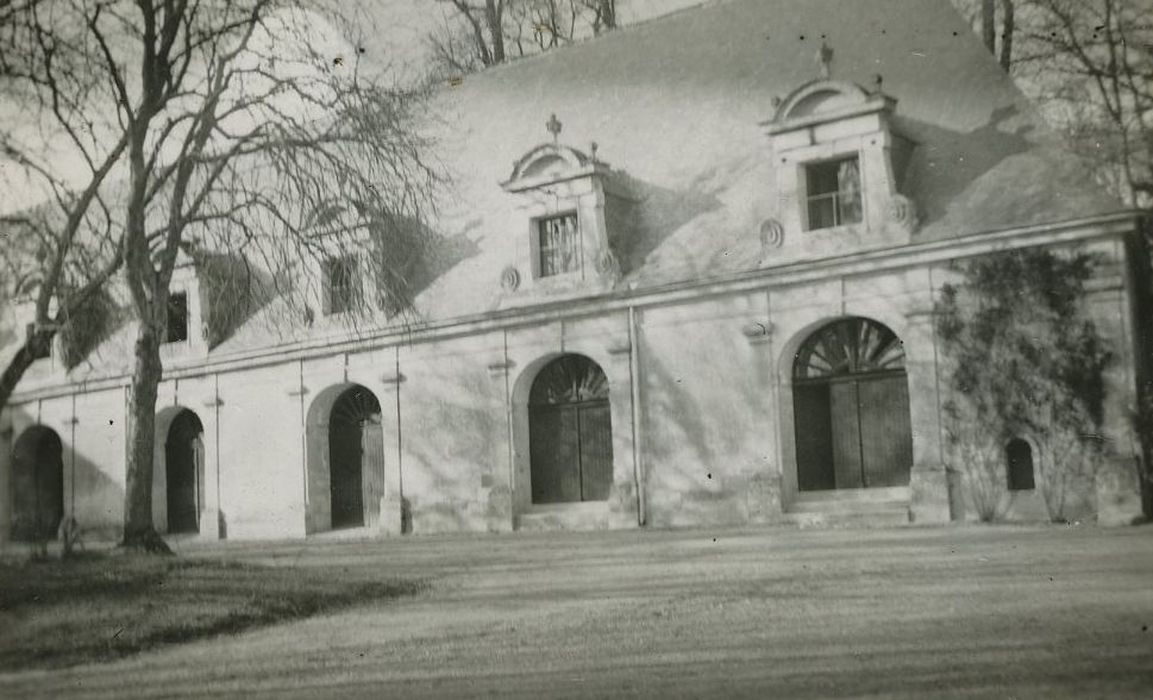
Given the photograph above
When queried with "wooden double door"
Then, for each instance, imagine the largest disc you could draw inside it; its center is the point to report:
(572, 452)
(853, 433)
(356, 459)
(851, 408)
(570, 432)
(184, 465)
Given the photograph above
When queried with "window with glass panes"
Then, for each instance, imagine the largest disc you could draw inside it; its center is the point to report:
(177, 331)
(834, 193)
(559, 245)
(340, 283)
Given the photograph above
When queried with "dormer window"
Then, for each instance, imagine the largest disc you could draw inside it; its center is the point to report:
(839, 165)
(572, 210)
(834, 193)
(559, 240)
(177, 331)
(339, 284)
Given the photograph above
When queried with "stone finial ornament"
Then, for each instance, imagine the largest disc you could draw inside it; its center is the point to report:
(825, 59)
(554, 127)
(510, 279)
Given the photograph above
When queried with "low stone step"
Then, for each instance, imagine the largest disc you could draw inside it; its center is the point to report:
(878, 518)
(574, 516)
(849, 507)
(890, 494)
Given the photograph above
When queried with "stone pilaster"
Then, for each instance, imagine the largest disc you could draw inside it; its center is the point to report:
(928, 479)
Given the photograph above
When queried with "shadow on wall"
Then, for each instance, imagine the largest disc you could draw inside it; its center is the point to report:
(690, 447)
(657, 213)
(937, 175)
(412, 257)
(448, 463)
(42, 467)
(231, 292)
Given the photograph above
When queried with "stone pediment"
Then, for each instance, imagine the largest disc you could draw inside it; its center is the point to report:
(550, 163)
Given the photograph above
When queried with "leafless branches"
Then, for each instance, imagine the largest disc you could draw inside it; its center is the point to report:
(477, 34)
(244, 128)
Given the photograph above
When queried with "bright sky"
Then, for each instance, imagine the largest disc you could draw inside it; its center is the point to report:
(400, 31)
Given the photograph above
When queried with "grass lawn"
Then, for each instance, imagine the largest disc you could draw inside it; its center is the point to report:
(898, 614)
(102, 606)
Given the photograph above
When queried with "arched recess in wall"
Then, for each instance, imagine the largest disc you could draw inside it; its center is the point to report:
(1020, 463)
(37, 485)
(345, 453)
(851, 414)
(183, 472)
(570, 432)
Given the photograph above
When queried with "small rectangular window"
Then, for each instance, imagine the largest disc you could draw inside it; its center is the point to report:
(834, 193)
(340, 284)
(559, 245)
(177, 318)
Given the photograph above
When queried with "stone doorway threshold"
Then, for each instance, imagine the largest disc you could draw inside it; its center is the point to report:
(564, 516)
(856, 507)
(347, 533)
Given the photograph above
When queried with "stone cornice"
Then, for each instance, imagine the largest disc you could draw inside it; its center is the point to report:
(789, 274)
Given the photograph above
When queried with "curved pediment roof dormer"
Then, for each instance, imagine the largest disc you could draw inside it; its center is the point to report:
(825, 100)
(573, 214)
(840, 167)
(550, 163)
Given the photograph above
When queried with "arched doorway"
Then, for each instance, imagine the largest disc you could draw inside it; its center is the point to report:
(570, 432)
(1019, 465)
(355, 445)
(851, 408)
(183, 467)
(37, 485)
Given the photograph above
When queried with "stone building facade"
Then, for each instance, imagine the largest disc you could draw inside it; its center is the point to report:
(686, 277)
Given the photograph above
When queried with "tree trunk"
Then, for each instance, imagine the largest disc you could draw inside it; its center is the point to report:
(989, 25)
(36, 344)
(139, 532)
(608, 15)
(1009, 24)
(493, 16)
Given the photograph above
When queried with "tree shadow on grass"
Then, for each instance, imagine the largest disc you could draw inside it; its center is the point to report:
(103, 607)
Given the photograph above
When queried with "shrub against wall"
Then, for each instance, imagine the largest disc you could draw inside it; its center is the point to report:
(1022, 358)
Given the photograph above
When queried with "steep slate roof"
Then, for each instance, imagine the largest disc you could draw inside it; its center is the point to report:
(675, 103)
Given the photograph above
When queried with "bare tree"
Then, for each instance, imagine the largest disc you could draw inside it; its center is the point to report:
(995, 22)
(484, 24)
(1090, 62)
(498, 30)
(244, 126)
(603, 14)
(58, 255)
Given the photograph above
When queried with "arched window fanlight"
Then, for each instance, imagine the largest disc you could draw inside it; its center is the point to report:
(569, 379)
(847, 347)
(356, 406)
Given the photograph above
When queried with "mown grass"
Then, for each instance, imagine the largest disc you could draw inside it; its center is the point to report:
(98, 607)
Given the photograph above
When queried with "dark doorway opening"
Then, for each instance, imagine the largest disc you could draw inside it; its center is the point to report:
(37, 485)
(570, 432)
(355, 444)
(183, 467)
(1019, 455)
(851, 408)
